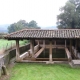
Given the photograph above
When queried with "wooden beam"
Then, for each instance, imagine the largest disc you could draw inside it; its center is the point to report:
(28, 53)
(17, 51)
(68, 54)
(50, 52)
(47, 59)
(38, 53)
(53, 46)
(55, 59)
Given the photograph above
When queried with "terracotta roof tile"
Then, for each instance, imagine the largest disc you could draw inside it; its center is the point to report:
(39, 33)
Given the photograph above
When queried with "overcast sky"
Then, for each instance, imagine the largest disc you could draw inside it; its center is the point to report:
(44, 12)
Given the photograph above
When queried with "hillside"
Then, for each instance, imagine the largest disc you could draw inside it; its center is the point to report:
(3, 28)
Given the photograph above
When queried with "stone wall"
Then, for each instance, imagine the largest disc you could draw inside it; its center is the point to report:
(6, 57)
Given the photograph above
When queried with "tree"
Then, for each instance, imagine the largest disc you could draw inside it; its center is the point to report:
(70, 15)
(22, 24)
(32, 24)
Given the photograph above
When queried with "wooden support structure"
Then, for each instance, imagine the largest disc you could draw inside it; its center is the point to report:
(38, 53)
(38, 42)
(17, 51)
(55, 42)
(74, 51)
(65, 43)
(50, 52)
(29, 61)
(54, 46)
(55, 59)
(28, 53)
(71, 46)
(32, 47)
(44, 43)
(47, 59)
(76, 48)
(68, 54)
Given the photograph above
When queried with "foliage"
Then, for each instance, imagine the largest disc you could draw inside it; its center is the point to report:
(33, 71)
(22, 24)
(70, 15)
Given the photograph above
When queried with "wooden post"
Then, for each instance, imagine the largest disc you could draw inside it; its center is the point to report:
(32, 47)
(38, 42)
(70, 46)
(55, 46)
(68, 54)
(44, 48)
(76, 47)
(65, 43)
(17, 51)
(50, 52)
(55, 42)
(65, 47)
(44, 43)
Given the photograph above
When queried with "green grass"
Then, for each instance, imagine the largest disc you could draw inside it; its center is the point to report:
(3, 43)
(31, 71)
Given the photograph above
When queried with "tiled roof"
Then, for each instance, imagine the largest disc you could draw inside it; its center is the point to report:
(39, 33)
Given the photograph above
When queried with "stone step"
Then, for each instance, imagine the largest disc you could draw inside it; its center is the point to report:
(76, 62)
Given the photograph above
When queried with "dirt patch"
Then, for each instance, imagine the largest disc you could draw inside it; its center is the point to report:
(7, 77)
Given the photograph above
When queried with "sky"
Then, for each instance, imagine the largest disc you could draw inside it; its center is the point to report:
(44, 12)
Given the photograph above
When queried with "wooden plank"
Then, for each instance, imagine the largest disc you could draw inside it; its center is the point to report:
(38, 53)
(68, 54)
(24, 55)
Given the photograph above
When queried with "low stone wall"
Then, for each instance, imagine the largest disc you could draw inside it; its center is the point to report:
(6, 57)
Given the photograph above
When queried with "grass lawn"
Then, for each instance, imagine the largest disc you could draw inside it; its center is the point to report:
(33, 71)
(3, 43)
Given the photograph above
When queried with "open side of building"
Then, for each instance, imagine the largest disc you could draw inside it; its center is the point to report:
(45, 44)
